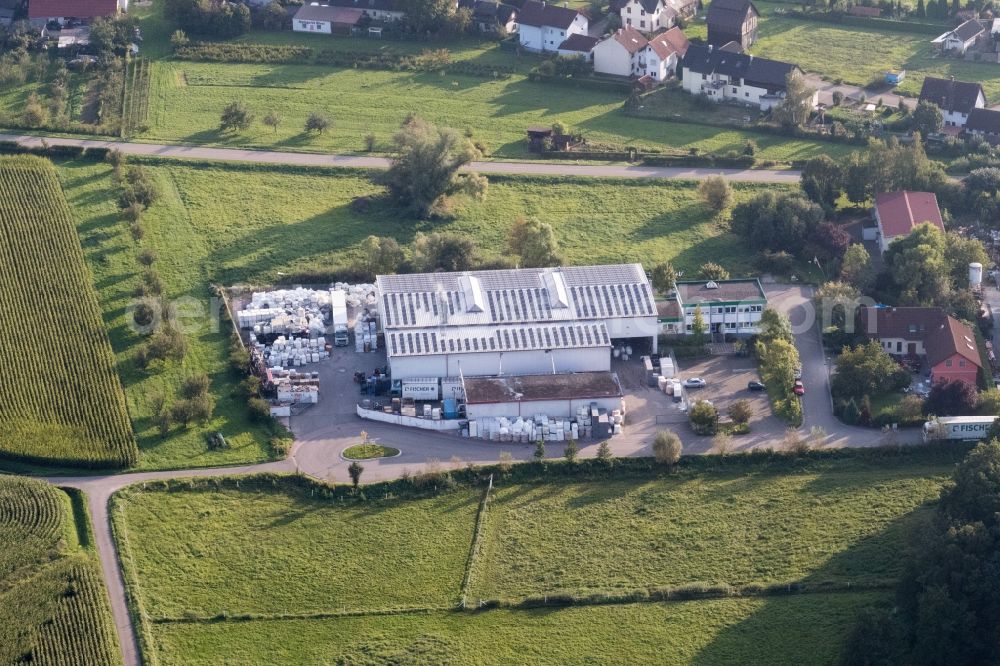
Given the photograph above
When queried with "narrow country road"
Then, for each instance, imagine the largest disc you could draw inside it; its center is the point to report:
(369, 162)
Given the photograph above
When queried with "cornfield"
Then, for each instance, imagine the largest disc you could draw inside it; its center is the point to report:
(53, 608)
(60, 398)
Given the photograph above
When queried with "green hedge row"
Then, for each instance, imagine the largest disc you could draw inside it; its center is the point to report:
(59, 152)
(687, 592)
(428, 61)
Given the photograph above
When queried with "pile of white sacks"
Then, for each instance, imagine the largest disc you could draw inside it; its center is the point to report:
(285, 353)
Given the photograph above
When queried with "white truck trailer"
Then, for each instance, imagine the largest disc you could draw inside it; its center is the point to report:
(338, 305)
(958, 428)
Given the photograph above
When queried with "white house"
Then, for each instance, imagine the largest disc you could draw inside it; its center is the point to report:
(384, 11)
(543, 27)
(650, 16)
(722, 75)
(732, 307)
(619, 54)
(663, 53)
(956, 99)
(962, 38)
(326, 20)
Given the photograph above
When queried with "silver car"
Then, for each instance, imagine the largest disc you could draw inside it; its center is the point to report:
(694, 382)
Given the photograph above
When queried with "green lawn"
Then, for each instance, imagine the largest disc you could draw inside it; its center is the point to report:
(207, 552)
(841, 522)
(276, 555)
(177, 240)
(236, 224)
(186, 99)
(857, 55)
(790, 630)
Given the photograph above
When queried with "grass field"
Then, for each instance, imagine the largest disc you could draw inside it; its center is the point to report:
(791, 630)
(272, 552)
(733, 529)
(63, 402)
(857, 55)
(244, 224)
(110, 252)
(53, 607)
(186, 99)
(267, 555)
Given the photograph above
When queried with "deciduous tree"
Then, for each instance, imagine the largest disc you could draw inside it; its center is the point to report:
(716, 193)
(535, 242)
(798, 103)
(663, 277)
(424, 172)
(667, 447)
(236, 116)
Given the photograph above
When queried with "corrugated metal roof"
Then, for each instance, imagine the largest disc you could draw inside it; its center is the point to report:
(471, 339)
(516, 296)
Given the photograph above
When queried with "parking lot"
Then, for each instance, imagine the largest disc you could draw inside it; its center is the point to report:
(726, 377)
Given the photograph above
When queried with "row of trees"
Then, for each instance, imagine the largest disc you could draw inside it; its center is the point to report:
(886, 166)
(532, 244)
(947, 608)
(221, 20)
(779, 359)
(237, 117)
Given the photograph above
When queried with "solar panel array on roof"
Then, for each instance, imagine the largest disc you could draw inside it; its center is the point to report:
(525, 296)
(503, 338)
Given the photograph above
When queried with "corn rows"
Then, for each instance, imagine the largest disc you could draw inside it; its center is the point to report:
(63, 401)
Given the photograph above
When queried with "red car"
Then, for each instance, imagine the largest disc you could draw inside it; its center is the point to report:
(798, 389)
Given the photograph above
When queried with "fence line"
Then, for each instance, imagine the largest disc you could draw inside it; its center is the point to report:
(476, 544)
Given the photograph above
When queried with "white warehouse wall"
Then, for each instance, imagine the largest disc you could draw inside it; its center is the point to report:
(486, 364)
(551, 408)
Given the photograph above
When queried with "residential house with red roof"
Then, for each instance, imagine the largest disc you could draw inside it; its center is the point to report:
(663, 53)
(897, 213)
(948, 345)
(43, 11)
(618, 55)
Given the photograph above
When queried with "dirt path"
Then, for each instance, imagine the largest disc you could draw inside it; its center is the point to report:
(369, 162)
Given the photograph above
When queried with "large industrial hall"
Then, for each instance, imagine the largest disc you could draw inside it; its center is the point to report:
(514, 322)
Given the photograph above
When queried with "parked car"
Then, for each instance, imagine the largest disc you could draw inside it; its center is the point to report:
(798, 389)
(694, 382)
(754, 385)
(798, 372)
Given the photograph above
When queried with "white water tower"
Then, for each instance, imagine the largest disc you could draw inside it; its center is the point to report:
(975, 274)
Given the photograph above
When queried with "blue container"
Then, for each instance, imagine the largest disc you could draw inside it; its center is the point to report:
(450, 408)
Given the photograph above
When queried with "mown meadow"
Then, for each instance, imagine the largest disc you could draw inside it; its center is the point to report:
(186, 99)
(830, 527)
